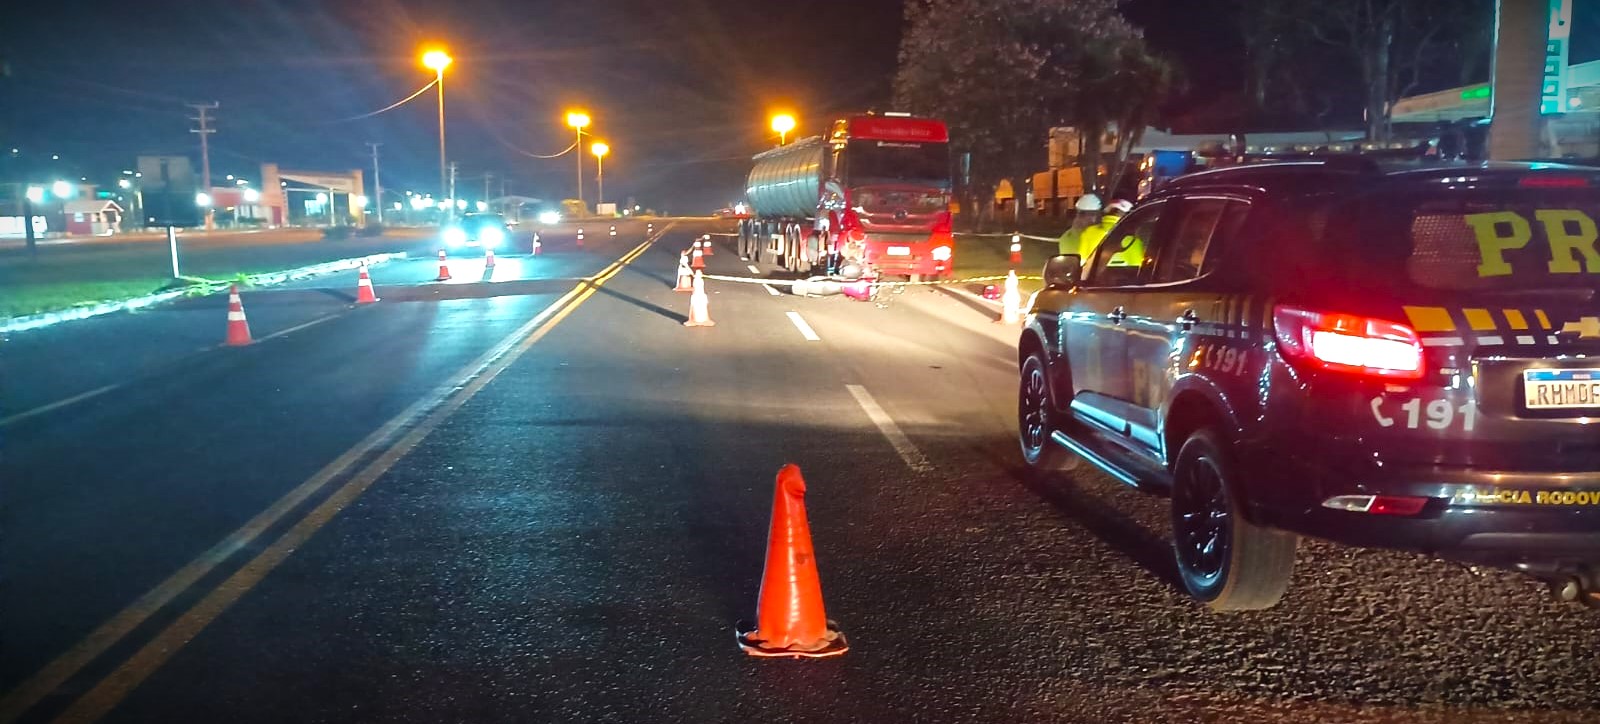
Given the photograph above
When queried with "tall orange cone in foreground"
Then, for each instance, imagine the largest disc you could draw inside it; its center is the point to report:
(790, 621)
(685, 277)
(238, 326)
(699, 305)
(444, 268)
(1011, 301)
(364, 293)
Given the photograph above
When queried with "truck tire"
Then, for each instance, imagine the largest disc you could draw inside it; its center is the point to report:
(1225, 561)
(1036, 420)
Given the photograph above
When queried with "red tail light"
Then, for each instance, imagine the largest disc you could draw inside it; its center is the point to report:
(1378, 504)
(1543, 181)
(942, 224)
(1348, 343)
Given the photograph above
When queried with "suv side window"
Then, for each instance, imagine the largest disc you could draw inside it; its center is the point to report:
(1121, 255)
(1203, 225)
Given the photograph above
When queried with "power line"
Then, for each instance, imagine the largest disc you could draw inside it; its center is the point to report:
(390, 107)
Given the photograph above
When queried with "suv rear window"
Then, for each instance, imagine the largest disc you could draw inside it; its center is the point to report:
(1465, 240)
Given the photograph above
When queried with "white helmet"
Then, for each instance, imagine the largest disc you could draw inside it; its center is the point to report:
(1119, 207)
(1088, 202)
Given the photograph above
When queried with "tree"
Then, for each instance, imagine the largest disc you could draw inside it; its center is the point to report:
(1001, 73)
(1395, 43)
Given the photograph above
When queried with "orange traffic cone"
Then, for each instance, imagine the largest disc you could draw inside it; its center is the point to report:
(536, 243)
(613, 231)
(699, 305)
(705, 244)
(1011, 301)
(580, 237)
(685, 277)
(697, 259)
(238, 326)
(790, 621)
(488, 258)
(364, 293)
(444, 268)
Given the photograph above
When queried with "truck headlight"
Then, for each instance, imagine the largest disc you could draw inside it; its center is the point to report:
(491, 236)
(549, 217)
(455, 236)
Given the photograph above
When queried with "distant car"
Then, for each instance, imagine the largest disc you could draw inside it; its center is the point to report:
(477, 231)
(1390, 357)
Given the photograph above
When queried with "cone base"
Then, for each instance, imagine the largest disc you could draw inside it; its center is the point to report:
(367, 301)
(441, 279)
(834, 645)
(707, 323)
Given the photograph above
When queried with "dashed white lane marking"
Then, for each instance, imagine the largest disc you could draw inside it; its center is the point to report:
(805, 329)
(753, 268)
(771, 290)
(297, 327)
(908, 451)
(56, 405)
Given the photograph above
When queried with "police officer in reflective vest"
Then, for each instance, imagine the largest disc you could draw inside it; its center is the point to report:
(1087, 213)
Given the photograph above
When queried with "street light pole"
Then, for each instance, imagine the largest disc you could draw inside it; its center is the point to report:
(600, 149)
(438, 60)
(377, 180)
(579, 119)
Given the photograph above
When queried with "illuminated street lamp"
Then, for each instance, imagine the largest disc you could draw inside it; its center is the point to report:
(251, 196)
(600, 149)
(437, 60)
(783, 123)
(124, 184)
(36, 194)
(62, 190)
(202, 199)
(578, 120)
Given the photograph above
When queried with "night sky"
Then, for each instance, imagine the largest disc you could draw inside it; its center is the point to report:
(681, 89)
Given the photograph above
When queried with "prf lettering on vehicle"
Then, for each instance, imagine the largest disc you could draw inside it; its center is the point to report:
(1571, 233)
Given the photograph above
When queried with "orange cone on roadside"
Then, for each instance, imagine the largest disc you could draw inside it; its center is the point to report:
(1011, 301)
(580, 237)
(488, 258)
(364, 293)
(699, 305)
(444, 268)
(238, 326)
(705, 244)
(536, 243)
(697, 258)
(790, 621)
(685, 276)
(613, 231)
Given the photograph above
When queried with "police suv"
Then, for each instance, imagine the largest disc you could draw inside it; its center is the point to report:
(1398, 357)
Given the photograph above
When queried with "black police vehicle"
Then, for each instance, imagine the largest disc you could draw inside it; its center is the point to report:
(1397, 357)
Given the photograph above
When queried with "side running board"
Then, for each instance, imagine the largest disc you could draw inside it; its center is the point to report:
(1117, 462)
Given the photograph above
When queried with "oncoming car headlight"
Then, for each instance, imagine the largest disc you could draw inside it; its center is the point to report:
(491, 235)
(455, 236)
(549, 217)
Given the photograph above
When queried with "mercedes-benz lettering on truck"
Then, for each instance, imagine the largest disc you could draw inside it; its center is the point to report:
(874, 193)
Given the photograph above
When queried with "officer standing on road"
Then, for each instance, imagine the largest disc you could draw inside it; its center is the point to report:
(1087, 213)
(1091, 237)
(1132, 251)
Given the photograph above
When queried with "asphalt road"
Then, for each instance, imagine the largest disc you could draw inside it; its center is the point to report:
(536, 498)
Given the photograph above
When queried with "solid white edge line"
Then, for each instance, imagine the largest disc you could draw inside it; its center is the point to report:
(57, 404)
(297, 327)
(771, 290)
(902, 445)
(753, 268)
(805, 329)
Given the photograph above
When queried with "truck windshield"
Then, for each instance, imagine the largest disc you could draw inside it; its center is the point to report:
(870, 160)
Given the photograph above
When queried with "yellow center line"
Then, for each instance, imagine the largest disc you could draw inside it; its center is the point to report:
(444, 400)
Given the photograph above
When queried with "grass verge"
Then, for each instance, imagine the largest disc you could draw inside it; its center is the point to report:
(982, 256)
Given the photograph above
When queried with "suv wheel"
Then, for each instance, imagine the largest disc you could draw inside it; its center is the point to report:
(1225, 560)
(1036, 420)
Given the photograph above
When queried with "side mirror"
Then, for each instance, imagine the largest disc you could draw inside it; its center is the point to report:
(1061, 271)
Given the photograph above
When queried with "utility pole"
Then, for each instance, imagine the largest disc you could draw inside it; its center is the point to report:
(205, 130)
(486, 178)
(451, 199)
(377, 180)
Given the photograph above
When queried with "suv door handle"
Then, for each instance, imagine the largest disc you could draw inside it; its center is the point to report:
(1117, 315)
(1187, 319)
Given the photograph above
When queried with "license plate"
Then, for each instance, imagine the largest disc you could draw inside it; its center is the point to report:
(1561, 389)
(899, 251)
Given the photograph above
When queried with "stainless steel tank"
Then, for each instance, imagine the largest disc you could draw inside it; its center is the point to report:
(785, 181)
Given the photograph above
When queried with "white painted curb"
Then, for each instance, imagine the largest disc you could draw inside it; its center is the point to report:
(45, 319)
